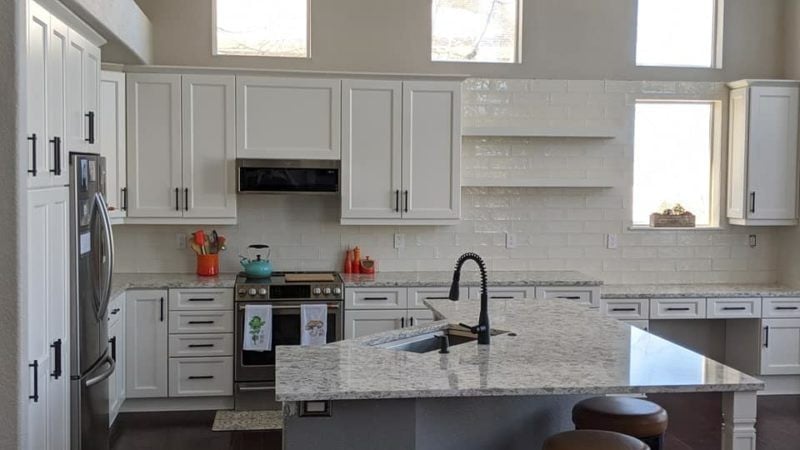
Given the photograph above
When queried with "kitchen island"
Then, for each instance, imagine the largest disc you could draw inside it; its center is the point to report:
(511, 394)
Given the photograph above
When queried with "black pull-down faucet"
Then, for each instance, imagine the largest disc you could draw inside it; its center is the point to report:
(482, 329)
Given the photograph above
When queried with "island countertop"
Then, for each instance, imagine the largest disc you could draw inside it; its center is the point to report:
(470, 278)
(558, 348)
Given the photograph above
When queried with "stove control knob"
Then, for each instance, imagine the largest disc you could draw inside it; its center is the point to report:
(251, 291)
(242, 291)
(316, 291)
(327, 291)
(262, 291)
(337, 291)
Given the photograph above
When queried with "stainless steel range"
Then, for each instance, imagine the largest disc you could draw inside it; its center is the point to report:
(254, 372)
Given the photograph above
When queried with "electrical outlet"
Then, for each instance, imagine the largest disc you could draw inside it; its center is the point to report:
(511, 240)
(612, 241)
(753, 240)
(180, 240)
(399, 240)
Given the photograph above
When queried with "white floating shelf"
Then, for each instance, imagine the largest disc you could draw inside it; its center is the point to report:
(539, 132)
(537, 183)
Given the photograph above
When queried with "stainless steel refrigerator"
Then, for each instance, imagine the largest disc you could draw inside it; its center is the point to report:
(92, 250)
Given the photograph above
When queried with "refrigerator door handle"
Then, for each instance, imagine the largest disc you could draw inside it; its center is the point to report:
(105, 374)
(109, 251)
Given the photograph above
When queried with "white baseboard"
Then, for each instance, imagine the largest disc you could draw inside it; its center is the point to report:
(176, 404)
(781, 385)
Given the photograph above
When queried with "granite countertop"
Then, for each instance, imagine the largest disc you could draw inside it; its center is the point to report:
(560, 348)
(697, 290)
(121, 282)
(470, 277)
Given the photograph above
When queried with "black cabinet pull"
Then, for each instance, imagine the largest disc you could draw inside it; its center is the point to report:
(569, 297)
(186, 199)
(678, 309)
(35, 396)
(32, 171)
(57, 369)
(766, 337)
(201, 322)
(411, 321)
(201, 345)
(623, 309)
(201, 299)
(786, 308)
(376, 298)
(115, 311)
(405, 208)
(124, 199)
(752, 202)
(90, 117)
(113, 342)
(177, 199)
(402, 322)
(56, 141)
(734, 308)
(161, 306)
(397, 200)
(502, 297)
(438, 298)
(201, 377)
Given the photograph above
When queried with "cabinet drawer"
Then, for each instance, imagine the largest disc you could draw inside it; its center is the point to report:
(376, 298)
(640, 324)
(586, 296)
(417, 296)
(734, 308)
(200, 377)
(200, 299)
(678, 308)
(503, 292)
(626, 309)
(181, 345)
(201, 322)
(786, 307)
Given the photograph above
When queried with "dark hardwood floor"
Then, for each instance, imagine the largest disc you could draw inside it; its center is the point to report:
(694, 425)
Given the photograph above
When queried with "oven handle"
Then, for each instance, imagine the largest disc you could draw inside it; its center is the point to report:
(256, 388)
(242, 307)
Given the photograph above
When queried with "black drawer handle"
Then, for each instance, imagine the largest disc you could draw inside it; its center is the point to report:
(113, 342)
(35, 396)
(376, 298)
(115, 311)
(623, 309)
(438, 298)
(90, 117)
(201, 322)
(786, 308)
(56, 141)
(201, 377)
(57, 370)
(570, 297)
(502, 297)
(201, 299)
(201, 345)
(32, 171)
(734, 308)
(679, 309)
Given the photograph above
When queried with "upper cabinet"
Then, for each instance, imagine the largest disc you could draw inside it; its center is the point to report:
(762, 158)
(112, 141)
(181, 149)
(83, 95)
(401, 152)
(288, 118)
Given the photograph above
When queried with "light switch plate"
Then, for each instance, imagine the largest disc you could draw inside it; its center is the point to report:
(612, 241)
(399, 240)
(511, 240)
(180, 241)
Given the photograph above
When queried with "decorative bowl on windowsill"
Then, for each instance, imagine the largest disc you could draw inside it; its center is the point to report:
(675, 217)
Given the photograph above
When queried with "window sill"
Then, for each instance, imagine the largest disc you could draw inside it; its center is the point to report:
(649, 228)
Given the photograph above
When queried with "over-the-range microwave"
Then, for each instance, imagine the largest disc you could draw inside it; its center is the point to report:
(287, 176)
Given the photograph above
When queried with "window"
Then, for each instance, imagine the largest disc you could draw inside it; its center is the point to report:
(475, 30)
(672, 159)
(678, 33)
(261, 28)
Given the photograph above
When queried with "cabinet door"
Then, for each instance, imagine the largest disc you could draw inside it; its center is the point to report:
(115, 338)
(37, 62)
(364, 323)
(146, 344)
(55, 153)
(209, 146)
(112, 137)
(431, 150)
(371, 149)
(288, 118)
(91, 97)
(772, 153)
(154, 145)
(737, 153)
(76, 120)
(780, 348)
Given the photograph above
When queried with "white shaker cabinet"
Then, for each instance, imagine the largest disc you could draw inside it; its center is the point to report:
(116, 341)
(780, 347)
(401, 155)
(112, 141)
(146, 344)
(83, 95)
(762, 160)
(288, 118)
(366, 322)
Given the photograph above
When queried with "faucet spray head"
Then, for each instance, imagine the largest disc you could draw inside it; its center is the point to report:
(454, 286)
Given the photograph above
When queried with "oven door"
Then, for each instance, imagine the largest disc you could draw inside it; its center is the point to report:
(260, 366)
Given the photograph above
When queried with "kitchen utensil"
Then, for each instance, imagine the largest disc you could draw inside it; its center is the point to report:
(196, 248)
(214, 241)
(258, 267)
(221, 243)
(200, 240)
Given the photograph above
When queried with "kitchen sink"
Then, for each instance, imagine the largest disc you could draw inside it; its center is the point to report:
(431, 342)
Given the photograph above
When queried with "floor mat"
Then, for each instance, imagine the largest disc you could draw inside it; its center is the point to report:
(248, 420)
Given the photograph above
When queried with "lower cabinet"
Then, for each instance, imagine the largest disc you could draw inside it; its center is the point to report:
(365, 322)
(780, 347)
(201, 376)
(116, 340)
(375, 310)
(146, 344)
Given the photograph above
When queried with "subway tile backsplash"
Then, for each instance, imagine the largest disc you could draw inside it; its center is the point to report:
(555, 228)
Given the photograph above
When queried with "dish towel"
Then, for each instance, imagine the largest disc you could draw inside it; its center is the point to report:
(258, 328)
(313, 325)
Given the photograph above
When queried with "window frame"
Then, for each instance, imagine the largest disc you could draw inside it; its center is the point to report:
(215, 49)
(716, 163)
(517, 37)
(717, 36)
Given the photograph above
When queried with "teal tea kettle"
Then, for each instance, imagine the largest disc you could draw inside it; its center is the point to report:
(258, 267)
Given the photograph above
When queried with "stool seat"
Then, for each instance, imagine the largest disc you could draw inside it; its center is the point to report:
(593, 440)
(632, 416)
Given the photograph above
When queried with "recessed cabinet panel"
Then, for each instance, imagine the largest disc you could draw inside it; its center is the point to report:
(780, 350)
(112, 138)
(146, 343)
(365, 323)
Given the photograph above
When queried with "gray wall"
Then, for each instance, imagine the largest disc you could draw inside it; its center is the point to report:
(563, 39)
(10, 343)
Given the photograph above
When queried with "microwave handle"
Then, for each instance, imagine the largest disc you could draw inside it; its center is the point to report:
(242, 307)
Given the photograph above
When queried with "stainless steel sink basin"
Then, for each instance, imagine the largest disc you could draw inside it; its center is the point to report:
(431, 342)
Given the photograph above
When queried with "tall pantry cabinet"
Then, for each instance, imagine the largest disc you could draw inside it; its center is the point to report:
(61, 98)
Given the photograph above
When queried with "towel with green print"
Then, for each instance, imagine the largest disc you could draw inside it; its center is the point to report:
(257, 334)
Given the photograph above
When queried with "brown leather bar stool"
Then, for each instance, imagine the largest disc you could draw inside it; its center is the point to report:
(593, 440)
(635, 417)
